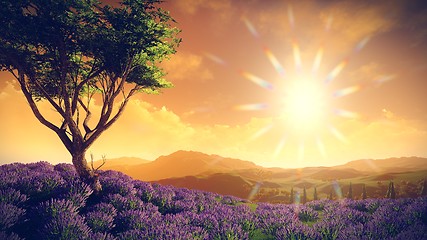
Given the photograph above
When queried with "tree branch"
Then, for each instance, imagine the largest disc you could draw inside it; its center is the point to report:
(59, 131)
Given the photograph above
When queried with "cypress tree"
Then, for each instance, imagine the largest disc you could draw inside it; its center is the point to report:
(424, 188)
(391, 193)
(330, 195)
(315, 194)
(304, 196)
(291, 197)
(364, 196)
(350, 192)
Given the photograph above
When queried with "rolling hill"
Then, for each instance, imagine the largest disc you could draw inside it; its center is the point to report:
(186, 163)
(236, 177)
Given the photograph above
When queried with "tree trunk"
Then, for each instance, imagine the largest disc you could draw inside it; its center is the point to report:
(89, 176)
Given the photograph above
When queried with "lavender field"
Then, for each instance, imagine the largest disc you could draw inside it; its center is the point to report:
(43, 201)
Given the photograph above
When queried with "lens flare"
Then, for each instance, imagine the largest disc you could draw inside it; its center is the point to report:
(297, 55)
(337, 189)
(317, 60)
(297, 197)
(362, 44)
(345, 113)
(250, 27)
(291, 17)
(337, 134)
(215, 58)
(261, 132)
(254, 190)
(329, 23)
(251, 107)
(273, 60)
(279, 147)
(303, 98)
(257, 80)
(382, 79)
(346, 91)
(334, 73)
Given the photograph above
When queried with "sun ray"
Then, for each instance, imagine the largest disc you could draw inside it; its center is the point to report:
(362, 43)
(337, 189)
(317, 60)
(337, 134)
(334, 73)
(345, 113)
(279, 147)
(250, 27)
(254, 190)
(261, 132)
(382, 79)
(291, 17)
(257, 80)
(276, 64)
(215, 58)
(251, 107)
(329, 23)
(321, 147)
(297, 55)
(346, 91)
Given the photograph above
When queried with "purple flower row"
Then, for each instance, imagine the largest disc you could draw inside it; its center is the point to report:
(42, 201)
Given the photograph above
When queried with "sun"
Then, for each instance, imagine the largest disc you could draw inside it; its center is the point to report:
(305, 104)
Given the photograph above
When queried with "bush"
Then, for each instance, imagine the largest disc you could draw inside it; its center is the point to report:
(10, 215)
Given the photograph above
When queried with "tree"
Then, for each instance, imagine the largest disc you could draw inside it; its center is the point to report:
(304, 196)
(350, 192)
(424, 188)
(70, 52)
(291, 196)
(364, 195)
(315, 194)
(391, 193)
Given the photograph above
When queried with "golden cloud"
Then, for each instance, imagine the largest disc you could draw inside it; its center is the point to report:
(147, 132)
(186, 66)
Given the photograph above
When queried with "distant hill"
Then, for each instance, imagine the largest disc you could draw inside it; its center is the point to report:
(333, 174)
(122, 164)
(187, 163)
(402, 164)
(237, 177)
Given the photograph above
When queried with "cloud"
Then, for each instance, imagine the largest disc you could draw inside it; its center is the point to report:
(147, 131)
(194, 6)
(349, 22)
(185, 66)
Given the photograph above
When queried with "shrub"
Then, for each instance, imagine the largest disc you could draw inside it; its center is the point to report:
(99, 221)
(12, 196)
(66, 226)
(10, 215)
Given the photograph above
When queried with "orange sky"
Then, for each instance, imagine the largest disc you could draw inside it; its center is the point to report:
(372, 107)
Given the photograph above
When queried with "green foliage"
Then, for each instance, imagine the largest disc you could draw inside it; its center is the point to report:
(350, 192)
(315, 197)
(364, 195)
(291, 197)
(391, 193)
(57, 44)
(304, 196)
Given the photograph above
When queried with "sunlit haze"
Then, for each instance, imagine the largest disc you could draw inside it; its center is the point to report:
(280, 83)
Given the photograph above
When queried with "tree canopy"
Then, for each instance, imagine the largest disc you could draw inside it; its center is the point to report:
(68, 51)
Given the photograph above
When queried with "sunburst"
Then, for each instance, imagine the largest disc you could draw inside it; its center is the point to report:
(304, 96)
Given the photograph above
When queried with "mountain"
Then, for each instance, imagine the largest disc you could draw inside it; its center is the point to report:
(403, 164)
(122, 164)
(239, 178)
(187, 163)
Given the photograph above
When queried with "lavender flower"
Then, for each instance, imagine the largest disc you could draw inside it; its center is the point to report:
(10, 215)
